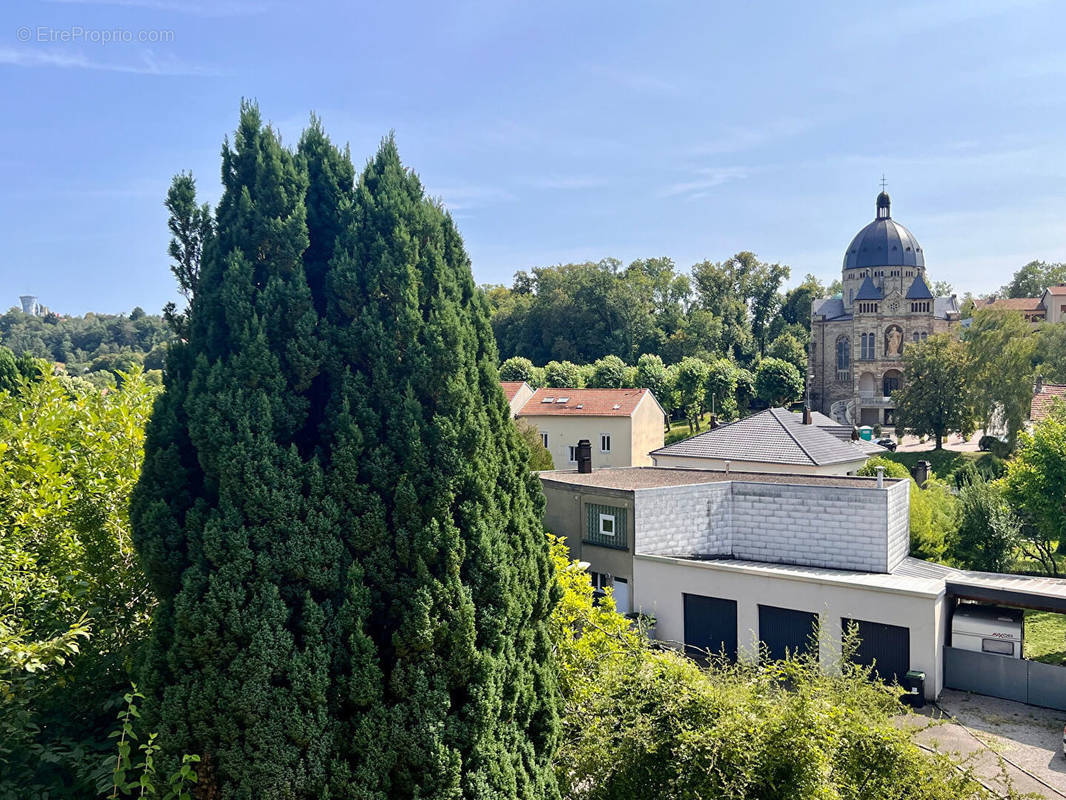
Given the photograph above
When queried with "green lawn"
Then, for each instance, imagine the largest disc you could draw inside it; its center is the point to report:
(1045, 637)
(679, 429)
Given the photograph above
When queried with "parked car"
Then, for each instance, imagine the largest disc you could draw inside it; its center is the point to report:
(886, 443)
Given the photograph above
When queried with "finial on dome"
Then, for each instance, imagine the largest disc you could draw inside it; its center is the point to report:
(883, 202)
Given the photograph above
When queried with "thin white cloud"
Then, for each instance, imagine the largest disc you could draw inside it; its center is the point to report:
(223, 8)
(568, 182)
(643, 82)
(706, 179)
(738, 138)
(149, 63)
(465, 198)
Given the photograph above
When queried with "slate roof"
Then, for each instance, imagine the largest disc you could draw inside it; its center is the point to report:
(919, 290)
(584, 402)
(869, 291)
(510, 388)
(883, 243)
(1041, 403)
(831, 308)
(773, 436)
(942, 306)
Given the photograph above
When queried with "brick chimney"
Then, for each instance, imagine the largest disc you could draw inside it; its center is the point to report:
(1038, 387)
(807, 418)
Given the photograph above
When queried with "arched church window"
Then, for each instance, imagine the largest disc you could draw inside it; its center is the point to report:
(843, 354)
(866, 347)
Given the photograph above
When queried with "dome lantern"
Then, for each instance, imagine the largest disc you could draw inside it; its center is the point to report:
(884, 204)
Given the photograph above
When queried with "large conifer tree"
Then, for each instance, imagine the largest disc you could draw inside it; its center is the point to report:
(336, 512)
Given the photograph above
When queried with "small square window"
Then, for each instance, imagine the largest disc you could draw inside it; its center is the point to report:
(605, 442)
(573, 454)
(606, 524)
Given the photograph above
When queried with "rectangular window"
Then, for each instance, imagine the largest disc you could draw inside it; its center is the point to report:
(573, 454)
(544, 438)
(605, 442)
(997, 646)
(606, 526)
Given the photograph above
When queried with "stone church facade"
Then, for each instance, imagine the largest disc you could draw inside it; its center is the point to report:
(858, 337)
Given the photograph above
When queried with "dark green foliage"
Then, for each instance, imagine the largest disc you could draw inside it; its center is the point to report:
(609, 372)
(517, 369)
(560, 375)
(583, 312)
(1032, 279)
(191, 228)
(988, 530)
(777, 382)
(76, 341)
(336, 512)
(14, 371)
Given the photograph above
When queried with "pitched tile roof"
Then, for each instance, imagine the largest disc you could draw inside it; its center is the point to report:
(510, 388)
(1041, 403)
(1060, 289)
(584, 402)
(773, 436)
(1010, 303)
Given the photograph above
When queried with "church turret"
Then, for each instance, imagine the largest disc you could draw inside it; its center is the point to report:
(884, 206)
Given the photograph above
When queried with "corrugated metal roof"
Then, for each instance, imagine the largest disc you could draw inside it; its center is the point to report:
(773, 436)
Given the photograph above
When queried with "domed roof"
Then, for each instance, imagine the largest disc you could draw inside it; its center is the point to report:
(884, 243)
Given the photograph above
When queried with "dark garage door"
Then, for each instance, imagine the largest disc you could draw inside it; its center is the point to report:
(887, 645)
(710, 625)
(784, 630)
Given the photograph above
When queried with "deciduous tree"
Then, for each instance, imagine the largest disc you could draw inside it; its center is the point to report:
(777, 382)
(935, 398)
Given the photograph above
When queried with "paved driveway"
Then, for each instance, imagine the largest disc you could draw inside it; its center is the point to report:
(1029, 737)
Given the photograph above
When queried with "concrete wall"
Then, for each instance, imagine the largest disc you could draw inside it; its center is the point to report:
(660, 582)
(566, 515)
(825, 526)
(692, 462)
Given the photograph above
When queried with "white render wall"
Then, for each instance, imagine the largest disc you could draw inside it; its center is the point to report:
(659, 584)
(825, 526)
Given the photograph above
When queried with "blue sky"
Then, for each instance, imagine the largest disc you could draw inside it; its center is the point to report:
(554, 131)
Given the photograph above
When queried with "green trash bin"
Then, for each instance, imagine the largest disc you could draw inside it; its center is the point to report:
(914, 685)
(866, 433)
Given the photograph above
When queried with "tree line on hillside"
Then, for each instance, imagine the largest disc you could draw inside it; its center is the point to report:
(339, 542)
(94, 346)
(692, 387)
(582, 312)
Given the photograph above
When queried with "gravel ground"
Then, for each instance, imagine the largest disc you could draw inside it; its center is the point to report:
(1028, 736)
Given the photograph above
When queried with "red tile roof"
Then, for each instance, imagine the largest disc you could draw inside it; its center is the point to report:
(1041, 403)
(1012, 303)
(510, 388)
(1060, 289)
(584, 402)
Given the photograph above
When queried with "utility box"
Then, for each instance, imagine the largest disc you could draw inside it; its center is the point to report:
(988, 629)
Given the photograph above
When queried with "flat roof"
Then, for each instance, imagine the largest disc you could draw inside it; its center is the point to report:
(631, 478)
(908, 580)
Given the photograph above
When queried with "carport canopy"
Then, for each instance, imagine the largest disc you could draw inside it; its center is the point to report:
(1020, 591)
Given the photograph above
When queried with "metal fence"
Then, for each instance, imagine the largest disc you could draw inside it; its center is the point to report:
(1010, 678)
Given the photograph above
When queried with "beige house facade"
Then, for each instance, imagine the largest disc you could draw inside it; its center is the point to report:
(517, 394)
(623, 425)
(858, 337)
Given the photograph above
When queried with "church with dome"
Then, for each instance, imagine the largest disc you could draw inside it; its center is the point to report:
(858, 337)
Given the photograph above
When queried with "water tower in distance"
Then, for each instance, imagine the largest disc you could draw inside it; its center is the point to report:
(29, 304)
